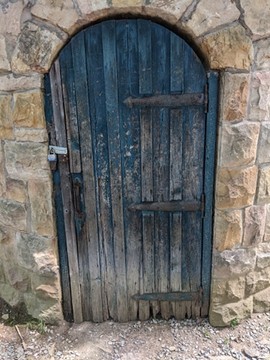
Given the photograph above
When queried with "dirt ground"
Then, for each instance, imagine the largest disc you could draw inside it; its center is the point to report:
(153, 339)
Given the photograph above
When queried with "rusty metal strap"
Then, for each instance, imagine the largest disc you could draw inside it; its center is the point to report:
(172, 206)
(173, 101)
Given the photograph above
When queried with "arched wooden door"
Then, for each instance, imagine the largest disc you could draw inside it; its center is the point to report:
(129, 101)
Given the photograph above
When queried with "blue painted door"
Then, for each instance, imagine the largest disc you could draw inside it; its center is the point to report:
(129, 102)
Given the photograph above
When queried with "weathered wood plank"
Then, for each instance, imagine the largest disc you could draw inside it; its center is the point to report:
(102, 170)
(91, 247)
(169, 296)
(114, 148)
(59, 121)
(127, 55)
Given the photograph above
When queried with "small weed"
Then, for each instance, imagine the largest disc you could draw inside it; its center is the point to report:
(234, 323)
(37, 324)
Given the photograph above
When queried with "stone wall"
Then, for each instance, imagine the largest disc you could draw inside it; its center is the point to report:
(234, 38)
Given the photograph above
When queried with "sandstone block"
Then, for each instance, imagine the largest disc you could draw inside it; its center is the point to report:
(233, 263)
(29, 110)
(254, 225)
(228, 48)
(87, 7)
(256, 282)
(61, 13)
(239, 144)
(34, 252)
(260, 96)
(2, 172)
(222, 315)
(264, 144)
(208, 15)
(124, 3)
(263, 193)
(25, 160)
(233, 97)
(263, 261)
(16, 277)
(235, 187)
(261, 301)
(4, 63)
(31, 135)
(36, 48)
(228, 229)
(16, 190)
(256, 16)
(12, 296)
(267, 225)
(13, 214)
(262, 54)
(40, 194)
(10, 17)
(224, 292)
(173, 7)
(48, 310)
(6, 125)
(11, 83)
(2, 274)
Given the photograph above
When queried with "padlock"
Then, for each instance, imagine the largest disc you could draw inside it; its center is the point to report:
(52, 157)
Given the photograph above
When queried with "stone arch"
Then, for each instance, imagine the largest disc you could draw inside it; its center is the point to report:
(31, 35)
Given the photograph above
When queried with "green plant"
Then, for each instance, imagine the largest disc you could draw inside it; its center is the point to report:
(234, 323)
(37, 324)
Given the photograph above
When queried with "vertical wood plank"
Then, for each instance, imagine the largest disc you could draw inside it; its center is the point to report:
(93, 299)
(59, 121)
(94, 57)
(161, 81)
(114, 146)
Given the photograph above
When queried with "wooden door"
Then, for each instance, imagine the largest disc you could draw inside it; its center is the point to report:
(129, 100)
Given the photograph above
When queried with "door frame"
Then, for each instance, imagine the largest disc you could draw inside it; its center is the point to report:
(64, 207)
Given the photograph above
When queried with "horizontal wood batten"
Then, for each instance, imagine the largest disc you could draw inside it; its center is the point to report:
(171, 206)
(172, 296)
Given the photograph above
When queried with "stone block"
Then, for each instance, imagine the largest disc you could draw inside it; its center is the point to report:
(12, 83)
(267, 225)
(61, 13)
(6, 124)
(256, 16)
(16, 190)
(26, 160)
(31, 135)
(224, 292)
(228, 48)
(2, 172)
(233, 97)
(16, 277)
(260, 96)
(12, 296)
(233, 263)
(261, 301)
(263, 261)
(124, 3)
(88, 7)
(239, 144)
(13, 214)
(254, 225)
(4, 63)
(36, 49)
(40, 196)
(35, 252)
(222, 315)
(235, 187)
(228, 229)
(10, 17)
(48, 310)
(2, 274)
(208, 15)
(262, 54)
(29, 110)
(174, 8)
(263, 193)
(256, 281)
(264, 144)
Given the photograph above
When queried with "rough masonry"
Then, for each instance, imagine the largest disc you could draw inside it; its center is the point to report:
(232, 37)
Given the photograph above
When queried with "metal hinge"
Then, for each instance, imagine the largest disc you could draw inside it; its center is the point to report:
(56, 150)
(206, 98)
